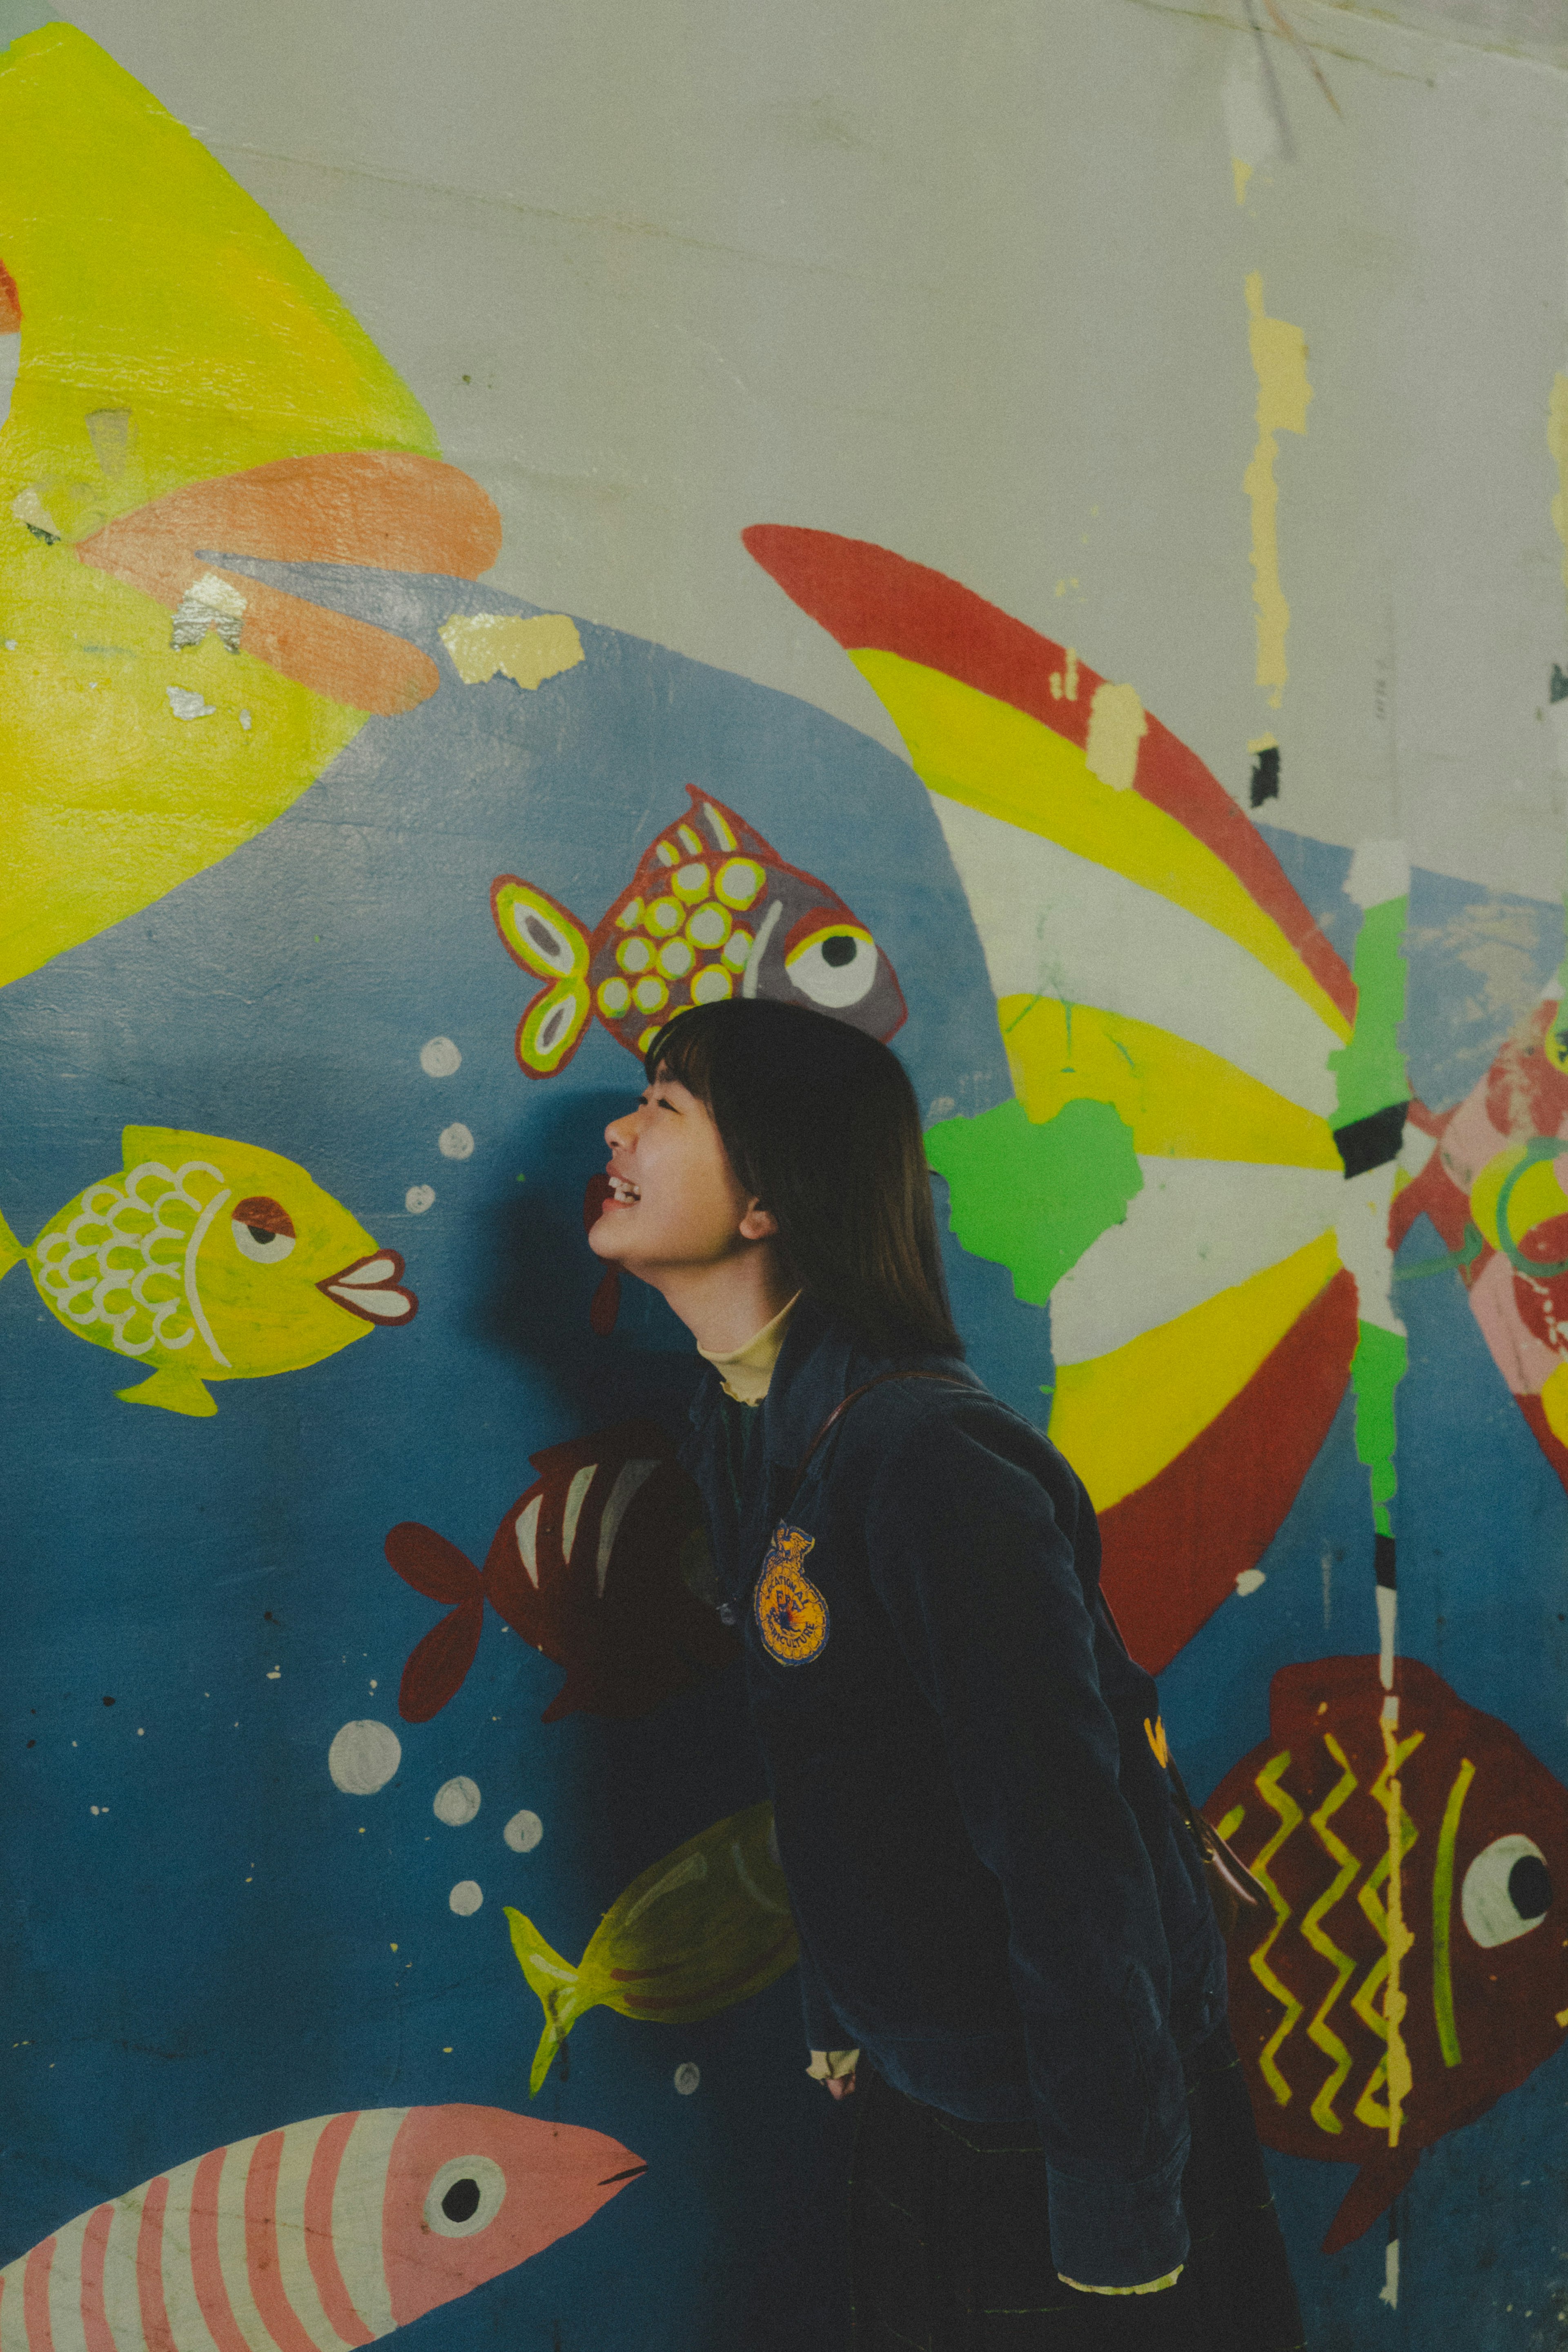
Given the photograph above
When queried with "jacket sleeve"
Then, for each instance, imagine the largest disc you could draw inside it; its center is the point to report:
(971, 1556)
(823, 2029)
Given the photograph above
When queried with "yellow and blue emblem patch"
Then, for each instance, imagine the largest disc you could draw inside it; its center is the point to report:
(791, 1614)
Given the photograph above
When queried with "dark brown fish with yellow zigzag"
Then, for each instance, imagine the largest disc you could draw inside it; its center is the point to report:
(1344, 2064)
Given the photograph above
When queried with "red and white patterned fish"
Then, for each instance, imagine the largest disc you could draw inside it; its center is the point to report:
(321, 2235)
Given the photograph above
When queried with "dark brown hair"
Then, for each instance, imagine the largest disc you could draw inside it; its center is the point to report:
(821, 1125)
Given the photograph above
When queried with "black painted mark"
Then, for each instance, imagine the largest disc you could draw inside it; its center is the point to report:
(1265, 786)
(1372, 1141)
(1383, 1563)
(1558, 683)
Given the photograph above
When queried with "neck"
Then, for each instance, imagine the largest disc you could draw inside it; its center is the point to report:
(723, 1306)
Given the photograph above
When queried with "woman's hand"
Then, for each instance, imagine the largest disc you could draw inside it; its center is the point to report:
(836, 2069)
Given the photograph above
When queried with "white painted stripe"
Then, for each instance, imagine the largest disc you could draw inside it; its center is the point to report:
(231, 2244)
(189, 2329)
(1362, 1232)
(1198, 1227)
(576, 1496)
(12, 2324)
(1055, 924)
(293, 2259)
(193, 1295)
(753, 971)
(356, 2204)
(633, 1474)
(65, 2285)
(528, 1535)
(121, 2299)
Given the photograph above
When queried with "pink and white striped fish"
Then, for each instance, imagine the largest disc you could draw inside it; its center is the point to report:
(321, 2235)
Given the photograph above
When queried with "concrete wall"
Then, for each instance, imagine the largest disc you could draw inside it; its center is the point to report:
(1215, 374)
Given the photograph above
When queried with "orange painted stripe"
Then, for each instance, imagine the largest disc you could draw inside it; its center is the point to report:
(95, 2330)
(35, 2298)
(156, 2332)
(320, 2253)
(278, 2316)
(206, 2266)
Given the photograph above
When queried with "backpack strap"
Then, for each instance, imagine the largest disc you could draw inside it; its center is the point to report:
(840, 1410)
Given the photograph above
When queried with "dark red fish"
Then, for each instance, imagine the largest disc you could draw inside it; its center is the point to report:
(586, 1565)
(1337, 2069)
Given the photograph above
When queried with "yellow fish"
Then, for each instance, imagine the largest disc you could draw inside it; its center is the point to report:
(708, 1925)
(188, 388)
(209, 1260)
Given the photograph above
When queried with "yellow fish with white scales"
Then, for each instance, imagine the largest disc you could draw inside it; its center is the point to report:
(206, 1260)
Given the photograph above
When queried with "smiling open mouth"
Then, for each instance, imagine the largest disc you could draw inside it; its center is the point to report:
(372, 1289)
(624, 1191)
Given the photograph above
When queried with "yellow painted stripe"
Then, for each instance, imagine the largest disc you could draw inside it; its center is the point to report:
(1180, 1100)
(972, 747)
(1120, 1418)
(1443, 1916)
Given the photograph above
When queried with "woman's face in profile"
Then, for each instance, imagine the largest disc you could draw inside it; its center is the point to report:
(674, 1201)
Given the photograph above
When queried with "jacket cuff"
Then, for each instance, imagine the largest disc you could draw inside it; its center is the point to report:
(824, 2031)
(1113, 2233)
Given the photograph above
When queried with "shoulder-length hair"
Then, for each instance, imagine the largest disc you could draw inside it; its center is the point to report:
(821, 1125)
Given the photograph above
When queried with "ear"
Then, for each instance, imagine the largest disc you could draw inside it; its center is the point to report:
(758, 1224)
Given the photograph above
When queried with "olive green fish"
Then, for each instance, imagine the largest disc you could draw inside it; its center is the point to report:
(206, 1260)
(708, 1925)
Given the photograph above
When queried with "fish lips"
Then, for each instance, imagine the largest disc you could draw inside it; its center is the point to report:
(372, 1289)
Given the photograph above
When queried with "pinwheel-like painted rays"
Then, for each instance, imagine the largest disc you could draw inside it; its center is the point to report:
(1150, 958)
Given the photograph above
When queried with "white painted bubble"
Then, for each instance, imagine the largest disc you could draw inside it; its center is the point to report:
(687, 2077)
(456, 1801)
(455, 1141)
(465, 1897)
(417, 1199)
(523, 1831)
(438, 1058)
(1250, 1579)
(363, 1757)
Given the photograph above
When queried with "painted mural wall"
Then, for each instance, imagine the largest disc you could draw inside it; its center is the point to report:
(1050, 546)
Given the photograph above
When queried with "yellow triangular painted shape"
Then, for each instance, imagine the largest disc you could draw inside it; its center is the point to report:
(972, 747)
(169, 334)
(1120, 1418)
(1180, 1100)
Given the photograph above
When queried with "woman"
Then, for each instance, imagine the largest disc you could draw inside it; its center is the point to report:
(1006, 1940)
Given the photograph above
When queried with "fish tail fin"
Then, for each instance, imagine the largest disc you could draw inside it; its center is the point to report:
(547, 939)
(438, 1665)
(558, 1985)
(1372, 2192)
(11, 1250)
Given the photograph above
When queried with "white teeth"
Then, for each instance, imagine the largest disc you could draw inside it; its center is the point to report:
(623, 1191)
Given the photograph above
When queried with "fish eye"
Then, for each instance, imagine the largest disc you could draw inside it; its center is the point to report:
(263, 1231)
(465, 2197)
(1507, 1890)
(833, 963)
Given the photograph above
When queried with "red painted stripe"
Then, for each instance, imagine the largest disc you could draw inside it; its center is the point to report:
(1174, 1550)
(206, 2263)
(156, 2332)
(94, 2329)
(320, 2253)
(35, 2298)
(866, 596)
(715, 1993)
(278, 2316)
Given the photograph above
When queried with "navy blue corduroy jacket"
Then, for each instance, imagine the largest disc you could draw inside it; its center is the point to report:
(996, 1899)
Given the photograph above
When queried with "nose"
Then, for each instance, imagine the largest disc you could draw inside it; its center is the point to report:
(619, 1131)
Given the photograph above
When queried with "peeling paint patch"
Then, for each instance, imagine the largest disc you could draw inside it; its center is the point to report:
(1279, 361)
(529, 651)
(1265, 781)
(1251, 115)
(1116, 727)
(185, 703)
(30, 507)
(113, 438)
(208, 602)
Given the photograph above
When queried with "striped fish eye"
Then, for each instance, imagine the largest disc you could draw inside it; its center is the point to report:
(1507, 1891)
(465, 2197)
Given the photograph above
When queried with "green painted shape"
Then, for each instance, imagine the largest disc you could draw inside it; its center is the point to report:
(1034, 1198)
(1370, 1072)
(1376, 1370)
